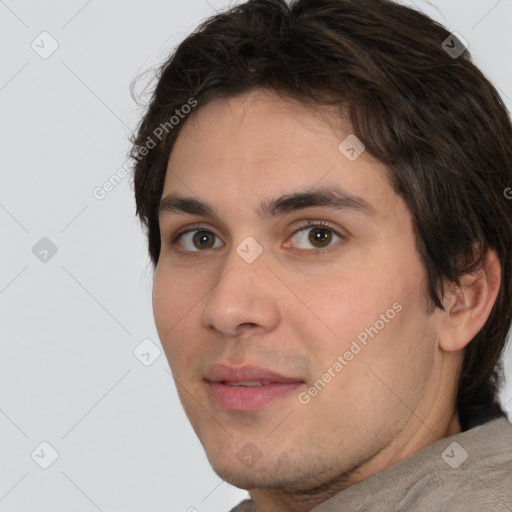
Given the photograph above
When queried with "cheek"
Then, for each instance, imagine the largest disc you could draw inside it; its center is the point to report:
(398, 361)
(169, 308)
(173, 296)
(176, 307)
(164, 302)
(373, 317)
(341, 306)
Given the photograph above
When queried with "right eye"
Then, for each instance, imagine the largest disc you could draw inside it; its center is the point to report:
(196, 240)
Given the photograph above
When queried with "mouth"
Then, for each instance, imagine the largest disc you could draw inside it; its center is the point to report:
(246, 384)
(249, 396)
(247, 387)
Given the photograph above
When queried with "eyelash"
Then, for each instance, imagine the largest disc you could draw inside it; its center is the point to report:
(308, 224)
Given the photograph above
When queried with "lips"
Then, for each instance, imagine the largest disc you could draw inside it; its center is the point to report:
(247, 374)
(247, 387)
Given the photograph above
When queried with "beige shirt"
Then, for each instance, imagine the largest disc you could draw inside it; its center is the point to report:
(468, 472)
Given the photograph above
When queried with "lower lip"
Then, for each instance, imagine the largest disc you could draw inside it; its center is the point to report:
(249, 398)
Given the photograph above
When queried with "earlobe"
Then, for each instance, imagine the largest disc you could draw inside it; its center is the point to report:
(468, 307)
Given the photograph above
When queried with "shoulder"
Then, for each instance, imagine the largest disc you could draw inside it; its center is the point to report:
(477, 474)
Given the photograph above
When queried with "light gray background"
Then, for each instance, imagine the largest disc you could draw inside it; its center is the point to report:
(68, 374)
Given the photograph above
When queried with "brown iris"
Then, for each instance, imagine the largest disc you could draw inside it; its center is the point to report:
(204, 239)
(320, 236)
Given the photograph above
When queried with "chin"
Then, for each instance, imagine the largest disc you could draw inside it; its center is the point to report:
(242, 477)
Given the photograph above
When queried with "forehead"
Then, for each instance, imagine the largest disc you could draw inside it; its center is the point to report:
(259, 145)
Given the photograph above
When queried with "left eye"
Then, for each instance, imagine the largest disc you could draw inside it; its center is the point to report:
(317, 235)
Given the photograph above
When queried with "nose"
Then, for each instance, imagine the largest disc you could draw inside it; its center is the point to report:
(244, 296)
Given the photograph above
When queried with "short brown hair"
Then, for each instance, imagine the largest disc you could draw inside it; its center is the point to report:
(434, 120)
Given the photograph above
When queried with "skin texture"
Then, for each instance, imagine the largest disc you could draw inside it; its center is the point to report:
(296, 308)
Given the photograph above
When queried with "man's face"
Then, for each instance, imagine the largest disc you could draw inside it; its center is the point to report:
(338, 309)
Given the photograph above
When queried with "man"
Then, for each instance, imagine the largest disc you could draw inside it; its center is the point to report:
(324, 189)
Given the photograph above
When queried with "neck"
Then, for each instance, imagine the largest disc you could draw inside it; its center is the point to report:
(414, 437)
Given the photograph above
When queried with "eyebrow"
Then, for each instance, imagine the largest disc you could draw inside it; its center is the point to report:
(330, 197)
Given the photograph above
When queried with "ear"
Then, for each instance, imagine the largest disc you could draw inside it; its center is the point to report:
(468, 307)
